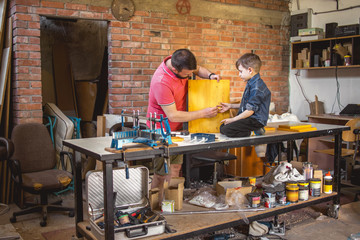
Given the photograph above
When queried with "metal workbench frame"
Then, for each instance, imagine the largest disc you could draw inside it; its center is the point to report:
(95, 147)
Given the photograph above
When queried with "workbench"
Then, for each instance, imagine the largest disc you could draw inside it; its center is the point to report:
(190, 225)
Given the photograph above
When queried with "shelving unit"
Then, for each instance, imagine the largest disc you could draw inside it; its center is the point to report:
(316, 47)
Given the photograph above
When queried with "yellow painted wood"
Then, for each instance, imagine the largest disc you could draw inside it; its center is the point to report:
(204, 94)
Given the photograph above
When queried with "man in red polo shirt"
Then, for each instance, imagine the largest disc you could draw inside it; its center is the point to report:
(167, 96)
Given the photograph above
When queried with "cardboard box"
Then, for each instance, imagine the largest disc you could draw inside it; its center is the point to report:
(230, 189)
(319, 174)
(175, 191)
(154, 199)
(310, 31)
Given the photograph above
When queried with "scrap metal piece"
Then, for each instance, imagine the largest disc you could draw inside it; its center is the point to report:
(123, 10)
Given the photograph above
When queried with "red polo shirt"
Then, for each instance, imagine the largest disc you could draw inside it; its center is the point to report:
(166, 89)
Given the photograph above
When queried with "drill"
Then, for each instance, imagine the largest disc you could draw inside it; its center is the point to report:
(223, 236)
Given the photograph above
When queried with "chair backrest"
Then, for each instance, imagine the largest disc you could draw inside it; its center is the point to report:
(33, 147)
(349, 135)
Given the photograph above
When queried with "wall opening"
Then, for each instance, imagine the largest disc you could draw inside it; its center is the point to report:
(74, 65)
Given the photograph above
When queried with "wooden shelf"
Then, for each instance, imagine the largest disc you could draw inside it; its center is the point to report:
(316, 47)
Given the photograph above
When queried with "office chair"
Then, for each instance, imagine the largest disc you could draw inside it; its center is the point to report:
(348, 137)
(33, 169)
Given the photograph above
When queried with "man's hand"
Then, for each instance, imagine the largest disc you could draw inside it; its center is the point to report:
(209, 112)
(223, 107)
(215, 77)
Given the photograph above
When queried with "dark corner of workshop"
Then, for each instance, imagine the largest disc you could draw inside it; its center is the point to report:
(179, 119)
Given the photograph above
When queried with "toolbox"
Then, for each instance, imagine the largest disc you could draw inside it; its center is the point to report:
(131, 203)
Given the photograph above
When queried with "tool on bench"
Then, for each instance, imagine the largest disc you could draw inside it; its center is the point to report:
(135, 135)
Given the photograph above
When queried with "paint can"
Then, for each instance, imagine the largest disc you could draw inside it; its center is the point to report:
(254, 199)
(303, 193)
(281, 197)
(269, 198)
(292, 193)
(315, 187)
(291, 183)
(303, 184)
(252, 181)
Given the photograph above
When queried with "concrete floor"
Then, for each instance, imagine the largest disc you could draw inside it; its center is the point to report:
(307, 223)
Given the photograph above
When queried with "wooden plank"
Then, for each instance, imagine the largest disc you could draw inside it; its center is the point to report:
(3, 4)
(203, 94)
(4, 72)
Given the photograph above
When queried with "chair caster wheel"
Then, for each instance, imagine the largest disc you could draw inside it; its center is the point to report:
(71, 214)
(13, 219)
(43, 223)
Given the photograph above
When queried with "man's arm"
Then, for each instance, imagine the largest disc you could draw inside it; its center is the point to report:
(205, 73)
(182, 116)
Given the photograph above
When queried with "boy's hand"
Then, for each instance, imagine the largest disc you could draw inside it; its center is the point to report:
(223, 107)
(227, 120)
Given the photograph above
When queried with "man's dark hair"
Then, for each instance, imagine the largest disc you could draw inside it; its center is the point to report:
(249, 60)
(183, 59)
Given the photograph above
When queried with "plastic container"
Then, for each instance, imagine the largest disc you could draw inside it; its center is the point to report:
(347, 60)
(328, 181)
(315, 187)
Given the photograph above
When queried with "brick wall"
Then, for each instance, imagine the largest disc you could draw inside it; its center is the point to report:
(138, 46)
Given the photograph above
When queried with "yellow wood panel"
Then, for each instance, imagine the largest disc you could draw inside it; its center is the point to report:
(204, 94)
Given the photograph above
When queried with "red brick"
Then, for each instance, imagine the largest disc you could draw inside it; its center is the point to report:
(140, 39)
(27, 47)
(133, 58)
(151, 45)
(69, 13)
(132, 31)
(19, 9)
(141, 65)
(140, 51)
(115, 98)
(45, 11)
(21, 55)
(98, 9)
(131, 44)
(120, 64)
(20, 77)
(34, 40)
(35, 84)
(142, 13)
(32, 3)
(90, 15)
(119, 24)
(35, 25)
(139, 26)
(23, 62)
(52, 4)
(120, 90)
(74, 6)
(120, 104)
(152, 20)
(26, 32)
(20, 24)
(34, 55)
(120, 50)
(22, 17)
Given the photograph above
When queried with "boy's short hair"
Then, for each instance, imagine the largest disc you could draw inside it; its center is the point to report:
(249, 60)
(183, 59)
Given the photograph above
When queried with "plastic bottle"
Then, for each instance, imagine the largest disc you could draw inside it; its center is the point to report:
(328, 183)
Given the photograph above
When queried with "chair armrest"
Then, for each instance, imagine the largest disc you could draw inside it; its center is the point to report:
(15, 170)
(9, 146)
(70, 155)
